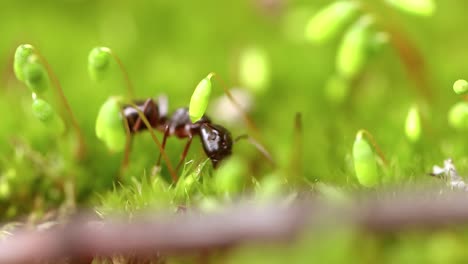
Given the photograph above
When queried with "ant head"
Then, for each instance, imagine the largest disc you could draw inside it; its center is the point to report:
(217, 142)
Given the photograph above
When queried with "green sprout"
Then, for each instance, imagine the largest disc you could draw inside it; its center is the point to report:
(458, 116)
(98, 63)
(200, 99)
(416, 7)
(22, 54)
(460, 87)
(328, 22)
(99, 66)
(44, 112)
(32, 68)
(109, 125)
(413, 124)
(365, 164)
(353, 50)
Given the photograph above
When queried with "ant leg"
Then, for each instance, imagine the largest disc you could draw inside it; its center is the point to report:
(233, 100)
(247, 119)
(184, 154)
(166, 135)
(258, 146)
(156, 141)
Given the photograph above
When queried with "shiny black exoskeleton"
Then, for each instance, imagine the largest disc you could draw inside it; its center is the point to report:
(216, 140)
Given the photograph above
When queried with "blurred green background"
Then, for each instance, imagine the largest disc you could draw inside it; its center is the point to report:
(169, 46)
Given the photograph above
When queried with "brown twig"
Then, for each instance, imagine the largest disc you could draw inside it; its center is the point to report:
(195, 233)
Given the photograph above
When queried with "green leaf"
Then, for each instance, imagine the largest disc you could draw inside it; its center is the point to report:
(200, 99)
(365, 164)
(353, 50)
(458, 116)
(329, 21)
(110, 126)
(413, 124)
(98, 63)
(416, 7)
(22, 54)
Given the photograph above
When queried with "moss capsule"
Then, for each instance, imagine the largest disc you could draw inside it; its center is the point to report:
(416, 7)
(353, 50)
(460, 86)
(413, 124)
(458, 116)
(109, 125)
(200, 99)
(98, 62)
(328, 22)
(35, 75)
(254, 72)
(44, 112)
(365, 164)
(230, 177)
(22, 54)
(337, 89)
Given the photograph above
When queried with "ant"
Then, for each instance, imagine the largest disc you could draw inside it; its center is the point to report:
(216, 140)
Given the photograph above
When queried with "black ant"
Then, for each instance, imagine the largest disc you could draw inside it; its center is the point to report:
(216, 140)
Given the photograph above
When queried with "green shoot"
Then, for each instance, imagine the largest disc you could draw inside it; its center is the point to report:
(353, 50)
(109, 125)
(416, 7)
(46, 114)
(413, 125)
(458, 116)
(32, 68)
(22, 54)
(460, 87)
(365, 164)
(200, 99)
(99, 64)
(328, 22)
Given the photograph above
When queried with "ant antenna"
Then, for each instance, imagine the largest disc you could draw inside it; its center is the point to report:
(258, 146)
(250, 124)
(155, 139)
(231, 98)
